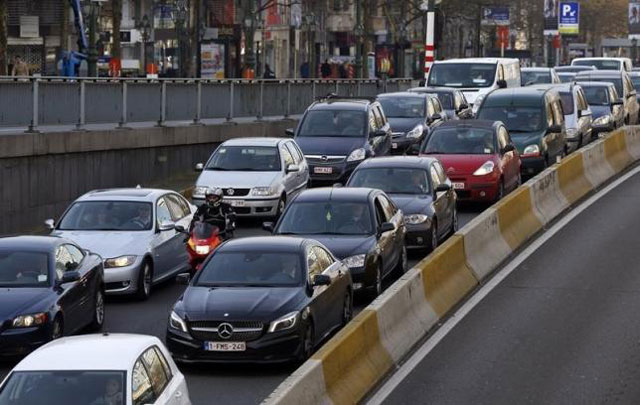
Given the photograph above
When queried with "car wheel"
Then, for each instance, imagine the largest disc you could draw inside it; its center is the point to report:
(403, 263)
(454, 221)
(98, 313)
(500, 191)
(347, 308)
(282, 203)
(145, 282)
(57, 328)
(376, 288)
(434, 236)
(307, 345)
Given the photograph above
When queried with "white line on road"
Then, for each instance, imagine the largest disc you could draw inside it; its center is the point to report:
(416, 358)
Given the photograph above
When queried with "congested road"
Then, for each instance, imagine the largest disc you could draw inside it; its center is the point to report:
(560, 328)
(237, 384)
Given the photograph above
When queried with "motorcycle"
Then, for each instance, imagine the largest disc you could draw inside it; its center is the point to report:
(205, 239)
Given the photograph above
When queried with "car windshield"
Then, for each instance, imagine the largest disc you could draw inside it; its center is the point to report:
(345, 123)
(600, 64)
(392, 180)
(573, 69)
(566, 77)
(518, 119)
(23, 269)
(108, 216)
(615, 82)
(528, 77)
(327, 218)
(462, 75)
(245, 159)
(446, 100)
(403, 107)
(253, 269)
(636, 82)
(566, 99)
(596, 95)
(64, 387)
(461, 141)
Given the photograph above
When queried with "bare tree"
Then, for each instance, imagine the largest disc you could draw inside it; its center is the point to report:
(116, 50)
(3, 38)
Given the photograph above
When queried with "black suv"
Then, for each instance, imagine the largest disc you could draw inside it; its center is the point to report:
(337, 133)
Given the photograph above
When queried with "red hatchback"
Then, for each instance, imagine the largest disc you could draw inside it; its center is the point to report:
(478, 156)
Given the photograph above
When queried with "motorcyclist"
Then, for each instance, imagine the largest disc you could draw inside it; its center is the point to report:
(215, 212)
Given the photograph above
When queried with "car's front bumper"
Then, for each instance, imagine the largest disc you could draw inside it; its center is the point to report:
(418, 235)
(340, 172)
(532, 165)
(401, 144)
(22, 341)
(122, 280)
(477, 188)
(248, 206)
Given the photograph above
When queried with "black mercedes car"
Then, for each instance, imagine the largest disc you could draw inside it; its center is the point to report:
(411, 115)
(361, 226)
(49, 287)
(260, 299)
(429, 209)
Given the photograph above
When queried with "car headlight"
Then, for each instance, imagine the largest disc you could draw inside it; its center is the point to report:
(571, 132)
(199, 191)
(176, 322)
(415, 219)
(121, 261)
(27, 321)
(416, 132)
(263, 191)
(203, 250)
(602, 121)
(485, 169)
(354, 261)
(531, 150)
(286, 322)
(358, 154)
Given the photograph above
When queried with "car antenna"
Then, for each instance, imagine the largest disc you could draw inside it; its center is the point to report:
(138, 186)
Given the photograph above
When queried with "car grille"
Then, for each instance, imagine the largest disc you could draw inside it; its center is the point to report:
(320, 160)
(237, 192)
(243, 331)
(397, 134)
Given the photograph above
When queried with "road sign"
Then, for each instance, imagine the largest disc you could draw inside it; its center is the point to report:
(495, 15)
(569, 18)
(503, 36)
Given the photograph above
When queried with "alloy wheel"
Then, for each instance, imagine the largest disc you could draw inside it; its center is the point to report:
(56, 329)
(146, 282)
(99, 316)
(347, 309)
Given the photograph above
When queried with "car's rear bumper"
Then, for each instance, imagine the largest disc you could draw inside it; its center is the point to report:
(249, 207)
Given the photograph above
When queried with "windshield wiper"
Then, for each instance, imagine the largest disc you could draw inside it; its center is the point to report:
(289, 233)
(216, 168)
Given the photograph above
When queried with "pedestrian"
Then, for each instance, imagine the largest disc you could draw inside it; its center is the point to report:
(268, 73)
(19, 67)
(325, 69)
(342, 71)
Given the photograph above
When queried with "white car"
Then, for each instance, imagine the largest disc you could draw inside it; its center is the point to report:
(97, 370)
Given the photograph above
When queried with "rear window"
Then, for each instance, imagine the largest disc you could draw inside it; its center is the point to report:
(596, 95)
(600, 64)
(567, 103)
(616, 82)
(529, 78)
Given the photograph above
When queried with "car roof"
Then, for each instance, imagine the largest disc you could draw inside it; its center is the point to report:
(536, 69)
(397, 161)
(487, 124)
(341, 104)
(31, 243)
(477, 60)
(402, 94)
(254, 141)
(89, 352)
(634, 73)
(267, 243)
(595, 84)
(125, 194)
(523, 96)
(335, 194)
(434, 90)
(607, 74)
(557, 86)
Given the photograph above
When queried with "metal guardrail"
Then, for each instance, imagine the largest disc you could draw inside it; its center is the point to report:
(35, 101)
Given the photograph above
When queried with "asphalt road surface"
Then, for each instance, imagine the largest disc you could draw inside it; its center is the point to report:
(230, 384)
(561, 328)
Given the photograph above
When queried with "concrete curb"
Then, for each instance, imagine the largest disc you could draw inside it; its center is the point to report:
(360, 355)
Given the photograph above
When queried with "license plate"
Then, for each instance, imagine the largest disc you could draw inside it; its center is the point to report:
(225, 346)
(458, 186)
(323, 170)
(235, 203)
(394, 146)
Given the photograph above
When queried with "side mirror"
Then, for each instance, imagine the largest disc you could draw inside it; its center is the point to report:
(617, 102)
(502, 84)
(166, 226)
(50, 224)
(584, 113)
(554, 129)
(293, 169)
(199, 167)
(508, 148)
(289, 132)
(436, 117)
(378, 133)
(444, 187)
(180, 229)
(70, 276)
(422, 83)
(183, 278)
(268, 226)
(387, 227)
(321, 279)
(462, 107)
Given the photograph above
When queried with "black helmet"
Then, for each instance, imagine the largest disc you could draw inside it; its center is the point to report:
(213, 197)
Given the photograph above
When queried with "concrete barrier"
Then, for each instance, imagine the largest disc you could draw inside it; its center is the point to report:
(359, 356)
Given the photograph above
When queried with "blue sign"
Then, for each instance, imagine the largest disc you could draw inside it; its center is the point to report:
(569, 17)
(495, 15)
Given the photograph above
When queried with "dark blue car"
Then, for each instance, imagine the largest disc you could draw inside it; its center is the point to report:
(49, 287)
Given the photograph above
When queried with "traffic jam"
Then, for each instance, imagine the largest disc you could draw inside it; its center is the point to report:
(346, 196)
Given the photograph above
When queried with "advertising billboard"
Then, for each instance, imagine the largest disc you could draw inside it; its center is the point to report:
(634, 19)
(550, 17)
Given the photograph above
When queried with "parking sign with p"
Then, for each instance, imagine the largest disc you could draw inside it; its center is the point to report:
(569, 18)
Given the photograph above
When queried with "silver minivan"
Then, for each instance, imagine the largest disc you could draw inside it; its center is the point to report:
(257, 175)
(577, 115)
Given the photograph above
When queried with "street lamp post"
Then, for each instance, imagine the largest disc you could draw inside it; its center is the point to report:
(144, 26)
(250, 55)
(359, 31)
(92, 53)
(180, 18)
(310, 25)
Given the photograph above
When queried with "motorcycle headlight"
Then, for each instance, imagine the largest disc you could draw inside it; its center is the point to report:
(531, 150)
(27, 321)
(121, 261)
(203, 250)
(416, 132)
(286, 322)
(354, 262)
(415, 219)
(199, 191)
(263, 191)
(602, 121)
(176, 322)
(485, 169)
(356, 155)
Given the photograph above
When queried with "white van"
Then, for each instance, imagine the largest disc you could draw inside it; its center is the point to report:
(475, 77)
(603, 63)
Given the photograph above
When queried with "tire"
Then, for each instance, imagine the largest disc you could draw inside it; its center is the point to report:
(347, 308)
(500, 194)
(403, 263)
(145, 282)
(454, 221)
(282, 203)
(307, 344)
(434, 236)
(376, 288)
(98, 312)
(57, 328)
